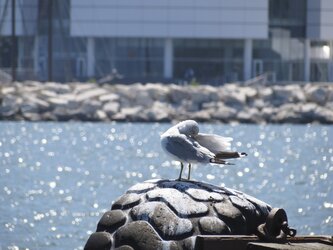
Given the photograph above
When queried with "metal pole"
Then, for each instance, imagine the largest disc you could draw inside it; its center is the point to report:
(13, 50)
(50, 55)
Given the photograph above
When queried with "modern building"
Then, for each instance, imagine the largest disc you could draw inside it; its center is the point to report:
(215, 41)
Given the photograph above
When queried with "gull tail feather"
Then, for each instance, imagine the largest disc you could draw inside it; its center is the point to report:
(220, 161)
(229, 155)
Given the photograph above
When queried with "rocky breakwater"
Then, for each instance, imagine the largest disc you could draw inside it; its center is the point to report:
(154, 102)
(168, 214)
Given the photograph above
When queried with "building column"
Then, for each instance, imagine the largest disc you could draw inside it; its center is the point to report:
(168, 58)
(247, 59)
(36, 57)
(330, 71)
(307, 48)
(90, 57)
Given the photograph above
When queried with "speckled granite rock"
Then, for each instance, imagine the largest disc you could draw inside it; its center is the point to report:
(168, 214)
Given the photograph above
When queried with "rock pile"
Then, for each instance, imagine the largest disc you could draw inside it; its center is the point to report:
(166, 102)
(167, 214)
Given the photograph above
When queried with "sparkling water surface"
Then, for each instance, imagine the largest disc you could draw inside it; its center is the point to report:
(57, 179)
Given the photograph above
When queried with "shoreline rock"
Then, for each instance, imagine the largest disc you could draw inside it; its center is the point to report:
(157, 102)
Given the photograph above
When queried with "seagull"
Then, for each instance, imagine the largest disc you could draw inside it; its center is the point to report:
(184, 143)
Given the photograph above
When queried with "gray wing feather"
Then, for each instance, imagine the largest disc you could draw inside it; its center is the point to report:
(186, 149)
(214, 143)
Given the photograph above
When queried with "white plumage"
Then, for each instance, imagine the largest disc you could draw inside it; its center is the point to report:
(184, 143)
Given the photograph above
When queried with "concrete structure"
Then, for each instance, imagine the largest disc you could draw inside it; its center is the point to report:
(214, 41)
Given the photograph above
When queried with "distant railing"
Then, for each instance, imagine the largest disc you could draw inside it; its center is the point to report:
(263, 79)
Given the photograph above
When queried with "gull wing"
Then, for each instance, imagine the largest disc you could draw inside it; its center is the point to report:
(214, 143)
(186, 149)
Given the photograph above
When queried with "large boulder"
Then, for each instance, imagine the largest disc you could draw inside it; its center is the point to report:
(159, 112)
(10, 105)
(168, 214)
(316, 94)
(287, 94)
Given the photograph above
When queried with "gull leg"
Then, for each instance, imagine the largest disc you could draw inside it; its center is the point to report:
(181, 171)
(189, 171)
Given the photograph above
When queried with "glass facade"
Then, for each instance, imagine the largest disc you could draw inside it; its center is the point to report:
(321, 67)
(289, 16)
(209, 60)
(283, 58)
(282, 55)
(131, 57)
(214, 61)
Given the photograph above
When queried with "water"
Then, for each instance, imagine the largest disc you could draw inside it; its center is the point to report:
(57, 179)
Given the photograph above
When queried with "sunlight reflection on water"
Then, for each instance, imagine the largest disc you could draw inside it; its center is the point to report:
(57, 179)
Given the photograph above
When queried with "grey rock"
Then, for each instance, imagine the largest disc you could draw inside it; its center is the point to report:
(57, 102)
(124, 247)
(203, 195)
(316, 94)
(200, 95)
(32, 100)
(28, 107)
(249, 115)
(268, 113)
(139, 235)
(266, 94)
(201, 116)
(10, 105)
(57, 87)
(233, 96)
(156, 102)
(232, 217)
(125, 92)
(99, 241)
(324, 115)
(158, 92)
(110, 97)
(258, 103)
(132, 114)
(126, 201)
(111, 220)
(167, 223)
(308, 111)
(89, 107)
(172, 197)
(142, 98)
(90, 94)
(289, 113)
(31, 116)
(179, 94)
(330, 95)
(101, 115)
(189, 106)
(71, 101)
(210, 105)
(45, 94)
(159, 112)
(248, 210)
(250, 93)
(6, 90)
(82, 87)
(224, 113)
(261, 207)
(111, 108)
(213, 225)
(142, 187)
(286, 94)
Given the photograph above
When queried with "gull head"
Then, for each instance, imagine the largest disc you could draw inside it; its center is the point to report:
(188, 127)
